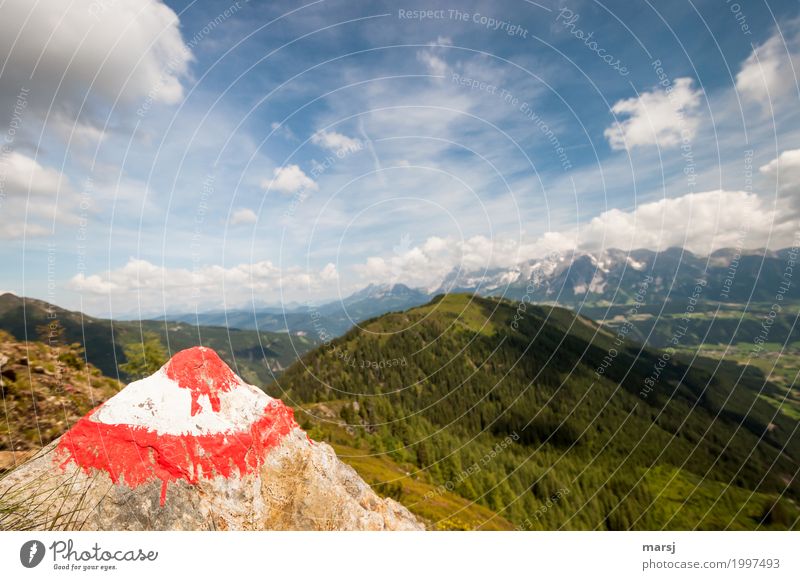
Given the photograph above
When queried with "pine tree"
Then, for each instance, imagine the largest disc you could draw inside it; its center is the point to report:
(143, 358)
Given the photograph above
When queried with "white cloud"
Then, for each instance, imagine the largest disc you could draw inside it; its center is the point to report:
(30, 195)
(243, 216)
(336, 142)
(784, 173)
(435, 64)
(289, 179)
(661, 117)
(329, 273)
(152, 286)
(786, 161)
(770, 72)
(25, 176)
(64, 52)
(700, 222)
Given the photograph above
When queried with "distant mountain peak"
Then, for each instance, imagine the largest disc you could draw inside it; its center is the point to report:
(386, 290)
(613, 275)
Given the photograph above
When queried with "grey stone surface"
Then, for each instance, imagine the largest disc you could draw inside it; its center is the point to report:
(300, 486)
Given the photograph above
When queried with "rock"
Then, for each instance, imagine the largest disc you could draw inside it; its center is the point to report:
(23, 361)
(38, 369)
(10, 459)
(9, 374)
(325, 411)
(192, 447)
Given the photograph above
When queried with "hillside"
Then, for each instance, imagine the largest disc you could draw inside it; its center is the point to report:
(550, 421)
(45, 391)
(256, 356)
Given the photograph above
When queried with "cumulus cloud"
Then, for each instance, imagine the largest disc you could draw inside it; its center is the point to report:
(660, 117)
(427, 264)
(700, 222)
(25, 176)
(289, 179)
(430, 57)
(336, 142)
(243, 216)
(784, 172)
(329, 273)
(142, 282)
(770, 72)
(788, 161)
(29, 196)
(81, 53)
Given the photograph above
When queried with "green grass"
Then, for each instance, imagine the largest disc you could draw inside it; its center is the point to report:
(779, 365)
(459, 310)
(439, 509)
(682, 496)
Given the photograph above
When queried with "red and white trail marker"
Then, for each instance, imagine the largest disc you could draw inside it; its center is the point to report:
(194, 419)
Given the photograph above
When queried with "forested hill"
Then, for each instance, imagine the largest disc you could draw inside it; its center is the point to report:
(256, 356)
(549, 421)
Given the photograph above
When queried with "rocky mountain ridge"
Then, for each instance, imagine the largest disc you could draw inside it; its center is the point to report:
(573, 279)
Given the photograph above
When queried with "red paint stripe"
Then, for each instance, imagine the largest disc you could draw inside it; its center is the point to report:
(135, 455)
(200, 370)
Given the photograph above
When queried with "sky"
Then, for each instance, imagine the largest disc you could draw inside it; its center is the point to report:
(172, 156)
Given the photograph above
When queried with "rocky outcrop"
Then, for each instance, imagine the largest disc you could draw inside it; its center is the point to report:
(45, 388)
(192, 447)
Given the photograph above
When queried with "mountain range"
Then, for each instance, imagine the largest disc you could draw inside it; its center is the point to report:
(328, 320)
(602, 285)
(614, 277)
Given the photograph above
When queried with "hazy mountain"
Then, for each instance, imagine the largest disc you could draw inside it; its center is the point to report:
(374, 300)
(327, 320)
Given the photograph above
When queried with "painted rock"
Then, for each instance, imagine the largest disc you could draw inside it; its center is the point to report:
(192, 447)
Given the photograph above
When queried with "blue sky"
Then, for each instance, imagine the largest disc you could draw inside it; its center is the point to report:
(227, 154)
